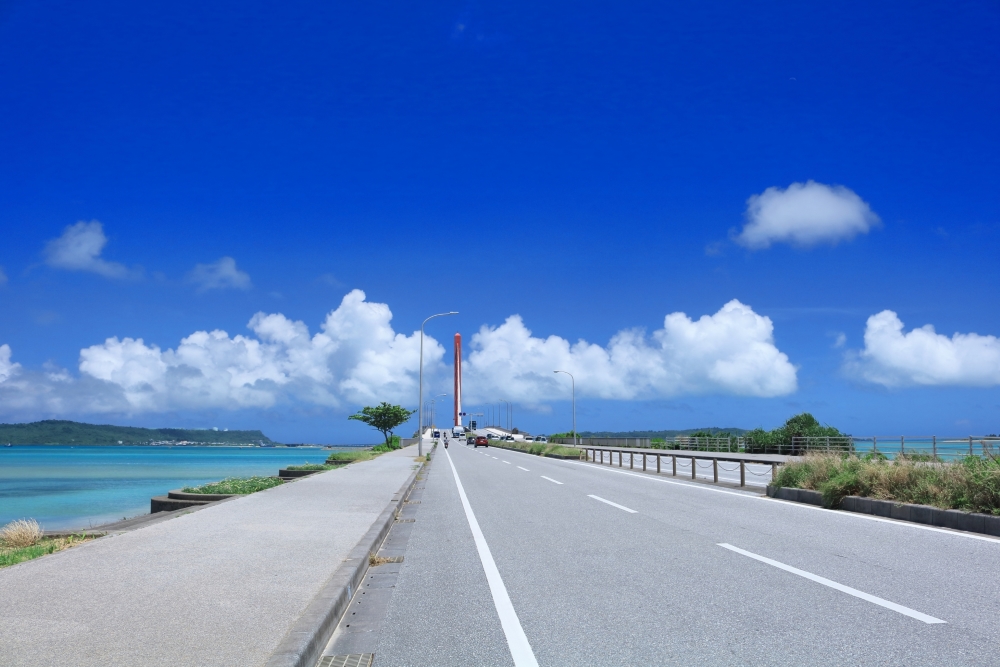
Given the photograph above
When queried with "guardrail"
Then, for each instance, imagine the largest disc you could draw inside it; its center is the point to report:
(774, 460)
(935, 447)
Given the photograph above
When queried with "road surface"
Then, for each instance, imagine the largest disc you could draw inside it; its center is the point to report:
(565, 563)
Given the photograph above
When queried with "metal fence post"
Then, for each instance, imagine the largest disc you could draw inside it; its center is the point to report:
(694, 468)
(774, 470)
(621, 460)
(657, 464)
(631, 460)
(674, 461)
(743, 473)
(715, 470)
(934, 445)
(644, 461)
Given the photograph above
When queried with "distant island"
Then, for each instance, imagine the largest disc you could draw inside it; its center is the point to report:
(61, 432)
(662, 434)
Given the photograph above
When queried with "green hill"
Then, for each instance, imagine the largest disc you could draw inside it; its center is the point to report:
(61, 432)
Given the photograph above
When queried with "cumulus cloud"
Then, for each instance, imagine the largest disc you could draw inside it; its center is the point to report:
(7, 368)
(354, 359)
(730, 352)
(79, 249)
(805, 214)
(221, 274)
(923, 357)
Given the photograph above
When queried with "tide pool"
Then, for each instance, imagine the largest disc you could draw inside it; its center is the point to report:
(65, 486)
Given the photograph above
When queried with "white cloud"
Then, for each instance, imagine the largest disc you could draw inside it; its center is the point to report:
(7, 369)
(221, 274)
(79, 249)
(356, 358)
(805, 214)
(730, 352)
(923, 357)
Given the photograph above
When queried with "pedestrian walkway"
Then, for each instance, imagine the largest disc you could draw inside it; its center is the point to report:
(217, 587)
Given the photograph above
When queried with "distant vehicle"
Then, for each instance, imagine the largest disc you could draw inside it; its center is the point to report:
(470, 438)
(458, 431)
(529, 438)
(509, 438)
(436, 434)
(541, 438)
(481, 440)
(492, 436)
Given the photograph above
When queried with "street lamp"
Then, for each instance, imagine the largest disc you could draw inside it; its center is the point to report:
(508, 413)
(420, 401)
(434, 408)
(573, 381)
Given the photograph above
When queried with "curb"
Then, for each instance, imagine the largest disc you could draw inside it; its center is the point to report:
(305, 641)
(970, 522)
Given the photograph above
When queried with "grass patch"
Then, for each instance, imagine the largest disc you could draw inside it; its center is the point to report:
(312, 466)
(237, 485)
(21, 533)
(340, 458)
(542, 448)
(11, 555)
(972, 484)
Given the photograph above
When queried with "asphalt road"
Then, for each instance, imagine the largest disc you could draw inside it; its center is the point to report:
(600, 566)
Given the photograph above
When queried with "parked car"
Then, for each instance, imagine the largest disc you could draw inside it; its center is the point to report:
(492, 436)
(541, 438)
(436, 434)
(529, 438)
(509, 438)
(481, 441)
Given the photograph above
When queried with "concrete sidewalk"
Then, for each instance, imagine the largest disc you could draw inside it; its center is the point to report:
(221, 586)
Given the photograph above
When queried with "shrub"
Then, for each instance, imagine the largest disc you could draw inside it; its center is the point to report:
(340, 458)
(21, 533)
(236, 485)
(972, 484)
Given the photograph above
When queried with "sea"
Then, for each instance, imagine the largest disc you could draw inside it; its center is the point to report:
(66, 487)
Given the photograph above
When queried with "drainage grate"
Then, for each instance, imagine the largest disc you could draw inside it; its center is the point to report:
(353, 660)
(412, 502)
(405, 520)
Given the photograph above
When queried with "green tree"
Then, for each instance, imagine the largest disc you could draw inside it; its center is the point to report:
(384, 417)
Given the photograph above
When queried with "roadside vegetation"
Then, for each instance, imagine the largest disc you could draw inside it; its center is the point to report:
(971, 484)
(539, 448)
(312, 466)
(236, 485)
(384, 418)
(22, 540)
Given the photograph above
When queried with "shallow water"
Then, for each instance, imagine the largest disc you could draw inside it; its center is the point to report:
(66, 486)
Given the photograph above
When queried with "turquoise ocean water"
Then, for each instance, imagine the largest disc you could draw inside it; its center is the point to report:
(64, 486)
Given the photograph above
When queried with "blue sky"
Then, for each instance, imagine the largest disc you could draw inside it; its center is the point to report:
(589, 167)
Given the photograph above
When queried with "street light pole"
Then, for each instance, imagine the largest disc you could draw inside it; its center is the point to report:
(420, 397)
(434, 408)
(573, 381)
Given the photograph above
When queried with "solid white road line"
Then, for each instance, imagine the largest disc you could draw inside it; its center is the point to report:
(517, 641)
(551, 480)
(524, 469)
(905, 611)
(751, 495)
(621, 507)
